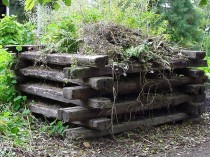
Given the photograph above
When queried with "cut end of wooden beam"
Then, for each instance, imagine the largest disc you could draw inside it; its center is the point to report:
(99, 103)
(49, 111)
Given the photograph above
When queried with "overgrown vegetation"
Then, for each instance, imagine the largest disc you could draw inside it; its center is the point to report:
(136, 30)
(15, 33)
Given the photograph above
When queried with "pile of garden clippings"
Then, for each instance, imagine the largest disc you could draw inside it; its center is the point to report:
(115, 40)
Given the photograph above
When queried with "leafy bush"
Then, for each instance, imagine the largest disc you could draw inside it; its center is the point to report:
(183, 21)
(15, 33)
(7, 82)
(61, 36)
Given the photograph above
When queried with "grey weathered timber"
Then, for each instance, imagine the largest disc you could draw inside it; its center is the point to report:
(194, 54)
(127, 86)
(66, 59)
(195, 89)
(12, 48)
(195, 109)
(98, 83)
(79, 92)
(80, 132)
(48, 74)
(97, 123)
(99, 103)
(195, 73)
(101, 83)
(43, 90)
(150, 103)
(87, 72)
(49, 111)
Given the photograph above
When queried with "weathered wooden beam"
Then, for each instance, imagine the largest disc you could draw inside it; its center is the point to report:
(98, 83)
(195, 89)
(77, 133)
(195, 73)
(97, 123)
(99, 103)
(127, 86)
(43, 90)
(150, 103)
(79, 92)
(23, 47)
(194, 54)
(66, 59)
(195, 109)
(87, 72)
(49, 111)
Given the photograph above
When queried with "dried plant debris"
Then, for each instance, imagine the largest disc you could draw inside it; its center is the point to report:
(122, 44)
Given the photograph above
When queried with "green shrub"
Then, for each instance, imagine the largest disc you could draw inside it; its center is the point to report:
(7, 82)
(61, 36)
(15, 33)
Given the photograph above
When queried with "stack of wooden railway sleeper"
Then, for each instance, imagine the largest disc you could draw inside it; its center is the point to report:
(100, 98)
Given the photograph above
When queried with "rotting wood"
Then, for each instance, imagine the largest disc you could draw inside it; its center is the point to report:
(128, 86)
(195, 73)
(66, 59)
(13, 48)
(99, 83)
(45, 91)
(99, 103)
(97, 123)
(80, 132)
(79, 92)
(81, 113)
(194, 54)
(87, 72)
(49, 111)
(195, 109)
(195, 89)
(49, 74)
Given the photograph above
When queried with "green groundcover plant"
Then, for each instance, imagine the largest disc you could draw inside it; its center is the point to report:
(15, 33)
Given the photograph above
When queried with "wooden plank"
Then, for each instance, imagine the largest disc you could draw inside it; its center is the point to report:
(79, 92)
(49, 74)
(49, 111)
(23, 47)
(80, 132)
(43, 90)
(98, 83)
(195, 73)
(97, 123)
(127, 86)
(101, 83)
(194, 54)
(87, 72)
(195, 89)
(150, 103)
(99, 103)
(66, 59)
(195, 109)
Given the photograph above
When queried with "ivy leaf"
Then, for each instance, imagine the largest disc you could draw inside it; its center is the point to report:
(5, 2)
(203, 2)
(67, 2)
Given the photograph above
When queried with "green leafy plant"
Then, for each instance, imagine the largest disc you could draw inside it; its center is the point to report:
(29, 4)
(61, 36)
(57, 128)
(7, 82)
(15, 33)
